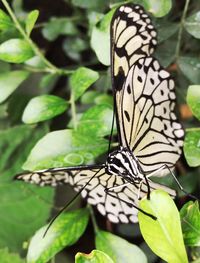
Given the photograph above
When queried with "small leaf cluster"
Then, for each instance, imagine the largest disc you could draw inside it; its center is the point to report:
(56, 110)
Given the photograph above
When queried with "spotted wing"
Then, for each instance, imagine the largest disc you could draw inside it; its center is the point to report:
(147, 120)
(116, 208)
(132, 37)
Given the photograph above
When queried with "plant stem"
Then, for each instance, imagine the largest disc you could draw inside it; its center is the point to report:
(73, 109)
(96, 228)
(178, 46)
(52, 68)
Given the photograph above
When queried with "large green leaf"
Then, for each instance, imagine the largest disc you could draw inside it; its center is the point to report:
(164, 235)
(72, 148)
(190, 217)
(192, 147)
(43, 107)
(65, 231)
(193, 99)
(9, 82)
(23, 207)
(81, 80)
(95, 256)
(88, 4)
(15, 51)
(110, 244)
(192, 25)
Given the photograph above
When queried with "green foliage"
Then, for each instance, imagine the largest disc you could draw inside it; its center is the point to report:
(11, 80)
(15, 51)
(163, 235)
(190, 217)
(42, 108)
(66, 230)
(61, 89)
(110, 244)
(95, 256)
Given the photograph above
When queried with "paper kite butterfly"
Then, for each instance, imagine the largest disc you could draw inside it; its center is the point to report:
(150, 136)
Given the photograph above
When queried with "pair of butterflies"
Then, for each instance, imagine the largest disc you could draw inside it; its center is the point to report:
(150, 137)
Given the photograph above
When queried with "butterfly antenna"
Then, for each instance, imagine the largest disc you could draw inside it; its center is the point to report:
(68, 204)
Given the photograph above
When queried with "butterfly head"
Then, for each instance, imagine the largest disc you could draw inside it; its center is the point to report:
(123, 163)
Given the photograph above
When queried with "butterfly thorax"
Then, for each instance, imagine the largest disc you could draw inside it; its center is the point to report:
(123, 163)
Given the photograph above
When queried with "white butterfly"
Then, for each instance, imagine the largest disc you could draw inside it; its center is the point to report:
(150, 137)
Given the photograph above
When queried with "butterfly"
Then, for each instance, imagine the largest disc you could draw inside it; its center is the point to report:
(150, 136)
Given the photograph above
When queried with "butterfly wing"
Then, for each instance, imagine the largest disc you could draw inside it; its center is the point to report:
(116, 207)
(132, 37)
(147, 119)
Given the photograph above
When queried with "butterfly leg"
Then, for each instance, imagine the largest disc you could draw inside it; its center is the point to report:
(109, 191)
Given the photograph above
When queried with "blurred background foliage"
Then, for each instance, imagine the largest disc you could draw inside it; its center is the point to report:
(56, 110)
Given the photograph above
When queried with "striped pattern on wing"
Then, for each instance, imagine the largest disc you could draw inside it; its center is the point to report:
(132, 36)
(113, 208)
(147, 121)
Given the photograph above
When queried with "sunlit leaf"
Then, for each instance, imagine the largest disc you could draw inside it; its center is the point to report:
(192, 147)
(110, 244)
(5, 21)
(158, 8)
(43, 107)
(164, 235)
(10, 81)
(95, 256)
(190, 217)
(15, 51)
(65, 231)
(30, 21)
(193, 99)
(82, 79)
(102, 32)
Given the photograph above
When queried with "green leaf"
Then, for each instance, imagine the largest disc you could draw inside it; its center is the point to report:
(59, 26)
(74, 46)
(164, 235)
(89, 96)
(5, 21)
(110, 244)
(43, 108)
(166, 52)
(9, 82)
(102, 48)
(96, 121)
(192, 25)
(190, 67)
(88, 4)
(95, 256)
(65, 231)
(7, 257)
(48, 81)
(193, 100)
(190, 217)
(72, 148)
(81, 80)
(165, 30)
(191, 147)
(15, 51)
(30, 21)
(158, 8)
(35, 62)
(24, 208)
